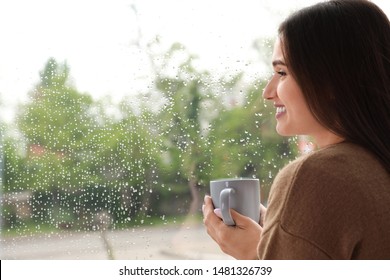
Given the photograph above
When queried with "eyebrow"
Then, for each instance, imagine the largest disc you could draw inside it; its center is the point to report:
(278, 62)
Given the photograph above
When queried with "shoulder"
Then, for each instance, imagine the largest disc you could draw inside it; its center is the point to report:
(344, 163)
(333, 176)
(324, 184)
(322, 197)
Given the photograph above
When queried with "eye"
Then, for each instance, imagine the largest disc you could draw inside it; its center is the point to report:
(281, 73)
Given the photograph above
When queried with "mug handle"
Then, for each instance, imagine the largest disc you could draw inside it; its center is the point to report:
(225, 206)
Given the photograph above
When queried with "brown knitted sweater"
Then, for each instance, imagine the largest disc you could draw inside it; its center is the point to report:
(330, 204)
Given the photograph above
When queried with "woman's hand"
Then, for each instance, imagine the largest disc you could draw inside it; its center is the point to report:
(239, 241)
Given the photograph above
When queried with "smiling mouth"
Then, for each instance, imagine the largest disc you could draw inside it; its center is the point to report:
(280, 110)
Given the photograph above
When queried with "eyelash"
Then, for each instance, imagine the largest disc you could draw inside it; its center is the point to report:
(281, 73)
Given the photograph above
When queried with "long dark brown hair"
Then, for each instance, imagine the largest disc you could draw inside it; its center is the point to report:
(339, 54)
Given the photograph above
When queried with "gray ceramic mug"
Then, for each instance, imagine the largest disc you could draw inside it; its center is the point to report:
(240, 194)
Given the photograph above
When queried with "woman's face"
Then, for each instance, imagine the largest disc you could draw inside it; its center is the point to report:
(292, 113)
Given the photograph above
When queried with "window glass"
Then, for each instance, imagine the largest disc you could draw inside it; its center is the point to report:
(115, 115)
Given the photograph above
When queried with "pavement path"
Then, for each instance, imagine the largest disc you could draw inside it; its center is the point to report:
(142, 243)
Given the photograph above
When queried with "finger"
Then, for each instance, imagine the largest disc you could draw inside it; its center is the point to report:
(218, 212)
(212, 223)
(240, 220)
(208, 200)
(207, 205)
(210, 219)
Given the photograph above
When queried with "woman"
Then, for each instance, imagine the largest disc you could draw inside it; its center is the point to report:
(331, 81)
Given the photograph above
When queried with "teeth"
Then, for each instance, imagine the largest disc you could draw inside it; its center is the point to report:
(280, 110)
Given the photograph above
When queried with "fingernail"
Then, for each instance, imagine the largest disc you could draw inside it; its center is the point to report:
(217, 211)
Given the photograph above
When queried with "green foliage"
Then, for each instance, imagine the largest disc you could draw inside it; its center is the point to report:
(56, 110)
(82, 159)
(182, 117)
(75, 146)
(13, 168)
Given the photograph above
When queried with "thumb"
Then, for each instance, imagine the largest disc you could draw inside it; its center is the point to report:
(240, 220)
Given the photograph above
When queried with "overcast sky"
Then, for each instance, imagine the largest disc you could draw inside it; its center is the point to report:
(96, 38)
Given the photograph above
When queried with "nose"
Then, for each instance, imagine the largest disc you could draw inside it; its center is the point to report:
(269, 91)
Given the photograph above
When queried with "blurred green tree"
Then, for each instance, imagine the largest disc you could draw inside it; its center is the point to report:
(55, 124)
(183, 119)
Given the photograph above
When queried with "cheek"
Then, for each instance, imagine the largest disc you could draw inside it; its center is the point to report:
(285, 94)
(291, 95)
(295, 104)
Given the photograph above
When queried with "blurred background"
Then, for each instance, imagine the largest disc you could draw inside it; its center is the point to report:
(115, 115)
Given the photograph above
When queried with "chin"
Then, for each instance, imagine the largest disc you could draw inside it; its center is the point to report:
(283, 132)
